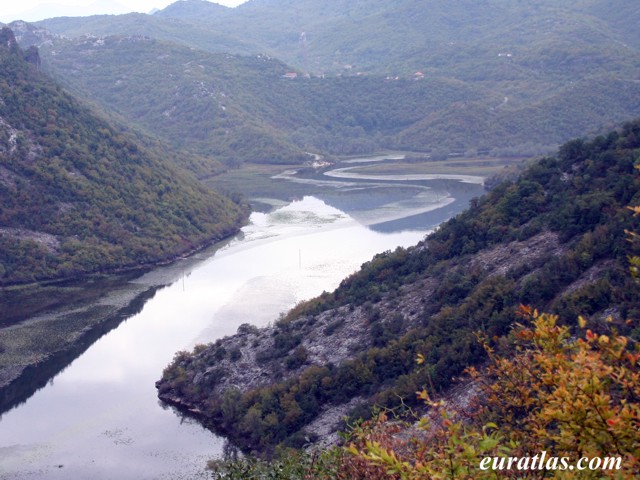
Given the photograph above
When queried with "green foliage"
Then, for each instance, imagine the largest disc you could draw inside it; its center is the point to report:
(571, 398)
(217, 105)
(578, 198)
(491, 82)
(80, 196)
(332, 464)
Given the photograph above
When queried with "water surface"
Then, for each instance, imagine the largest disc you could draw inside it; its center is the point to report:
(100, 417)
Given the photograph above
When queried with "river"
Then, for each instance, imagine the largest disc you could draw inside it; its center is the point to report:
(100, 418)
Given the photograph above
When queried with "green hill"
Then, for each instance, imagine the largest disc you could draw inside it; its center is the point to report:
(212, 104)
(375, 36)
(496, 76)
(79, 195)
(554, 239)
(240, 108)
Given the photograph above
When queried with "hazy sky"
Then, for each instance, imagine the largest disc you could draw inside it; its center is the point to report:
(33, 10)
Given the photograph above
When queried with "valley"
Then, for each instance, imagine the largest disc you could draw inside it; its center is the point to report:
(539, 240)
(290, 253)
(347, 78)
(228, 234)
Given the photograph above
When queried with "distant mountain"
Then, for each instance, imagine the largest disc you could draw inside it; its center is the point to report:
(196, 35)
(456, 38)
(195, 10)
(492, 76)
(242, 108)
(217, 105)
(374, 35)
(79, 195)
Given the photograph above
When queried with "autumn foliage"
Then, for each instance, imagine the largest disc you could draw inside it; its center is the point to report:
(570, 396)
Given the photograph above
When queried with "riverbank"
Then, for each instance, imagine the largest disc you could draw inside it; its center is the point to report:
(138, 267)
(34, 351)
(47, 325)
(334, 359)
(108, 422)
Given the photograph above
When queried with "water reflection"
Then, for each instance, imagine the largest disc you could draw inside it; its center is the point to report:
(37, 376)
(100, 417)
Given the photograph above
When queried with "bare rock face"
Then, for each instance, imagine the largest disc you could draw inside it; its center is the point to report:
(50, 242)
(9, 40)
(255, 358)
(30, 35)
(505, 257)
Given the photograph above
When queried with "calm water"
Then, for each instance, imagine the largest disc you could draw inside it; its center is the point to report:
(100, 417)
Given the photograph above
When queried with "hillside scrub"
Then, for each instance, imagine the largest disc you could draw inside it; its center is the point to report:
(571, 398)
(79, 195)
(547, 397)
(554, 238)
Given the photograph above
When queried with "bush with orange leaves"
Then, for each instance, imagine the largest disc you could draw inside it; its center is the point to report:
(567, 396)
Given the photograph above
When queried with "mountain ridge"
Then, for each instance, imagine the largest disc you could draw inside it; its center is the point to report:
(79, 196)
(508, 61)
(303, 32)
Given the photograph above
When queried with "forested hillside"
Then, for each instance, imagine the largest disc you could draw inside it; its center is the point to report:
(79, 195)
(241, 108)
(494, 77)
(227, 107)
(554, 239)
(372, 35)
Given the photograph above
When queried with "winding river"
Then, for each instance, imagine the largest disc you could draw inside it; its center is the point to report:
(100, 418)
